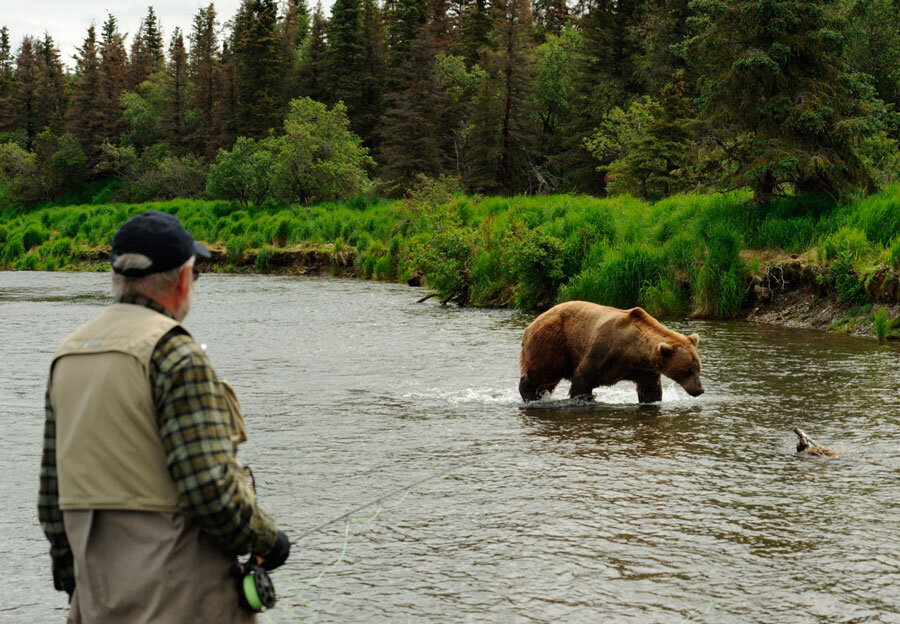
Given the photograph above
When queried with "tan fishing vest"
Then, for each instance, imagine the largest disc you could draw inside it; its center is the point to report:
(108, 451)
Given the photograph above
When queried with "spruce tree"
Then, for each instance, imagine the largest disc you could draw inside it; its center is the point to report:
(205, 76)
(259, 67)
(151, 33)
(662, 32)
(177, 85)
(299, 13)
(113, 77)
(147, 54)
(510, 67)
(311, 72)
(345, 60)
(227, 102)
(404, 21)
(778, 97)
(85, 116)
(551, 17)
(52, 98)
(607, 76)
(873, 46)
(475, 31)
(411, 143)
(374, 59)
(7, 83)
(27, 76)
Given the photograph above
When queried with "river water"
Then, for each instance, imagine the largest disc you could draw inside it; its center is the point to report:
(693, 510)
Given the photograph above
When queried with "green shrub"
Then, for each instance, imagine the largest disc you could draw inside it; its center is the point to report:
(384, 268)
(280, 231)
(894, 253)
(880, 319)
(28, 262)
(665, 299)
(34, 236)
(13, 250)
(847, 284)
(234, 250)
(263, 259)
(846, 241)
(717, 286)
(619, 280)
(535, 264)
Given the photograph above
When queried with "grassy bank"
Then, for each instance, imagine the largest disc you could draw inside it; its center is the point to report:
(678, 256)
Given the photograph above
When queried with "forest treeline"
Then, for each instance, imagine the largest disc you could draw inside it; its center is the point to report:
(279, 103)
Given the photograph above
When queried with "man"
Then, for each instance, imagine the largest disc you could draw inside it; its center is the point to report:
(141, 497)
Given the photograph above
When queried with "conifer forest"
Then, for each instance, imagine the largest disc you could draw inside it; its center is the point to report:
(508, 152)
(647, 97)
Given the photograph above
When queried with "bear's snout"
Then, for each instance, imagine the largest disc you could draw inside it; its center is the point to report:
(693, 386)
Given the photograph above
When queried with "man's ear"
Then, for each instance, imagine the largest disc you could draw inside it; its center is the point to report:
(186, 279)
(665, 349)
(694, 339)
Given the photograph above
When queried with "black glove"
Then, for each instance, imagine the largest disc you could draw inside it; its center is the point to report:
(63, 582)
(279, 553)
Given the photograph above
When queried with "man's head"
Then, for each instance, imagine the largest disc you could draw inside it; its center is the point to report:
(153, 255)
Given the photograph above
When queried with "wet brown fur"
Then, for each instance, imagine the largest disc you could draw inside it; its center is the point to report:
(593, 345)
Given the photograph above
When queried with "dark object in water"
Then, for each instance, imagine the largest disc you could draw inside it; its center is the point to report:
(806, 444)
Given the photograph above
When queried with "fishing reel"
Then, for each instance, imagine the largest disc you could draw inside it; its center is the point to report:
(255, 590)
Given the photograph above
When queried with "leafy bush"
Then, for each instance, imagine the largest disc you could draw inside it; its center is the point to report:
(446, 258)
(535, 266)
(280, 230)
(848, 242)
(318, 158)
(263, 259)
(33, 236)
(894, 253)
(880, 322)
(847, 283)
(244, 174)
(19, 182)
(13, 250)
(235, 249)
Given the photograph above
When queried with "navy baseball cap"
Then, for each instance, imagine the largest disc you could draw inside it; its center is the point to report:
(159, 236)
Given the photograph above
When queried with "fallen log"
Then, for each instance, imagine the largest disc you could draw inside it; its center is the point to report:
(426, 298)
(806, 444)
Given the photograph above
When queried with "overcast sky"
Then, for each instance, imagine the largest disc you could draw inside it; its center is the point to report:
(67, 21)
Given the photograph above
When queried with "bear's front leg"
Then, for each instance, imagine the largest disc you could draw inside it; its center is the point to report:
(528, 389)
(649, 389)
(581, 387)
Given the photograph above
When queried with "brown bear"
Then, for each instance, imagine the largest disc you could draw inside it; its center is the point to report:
(593, 345)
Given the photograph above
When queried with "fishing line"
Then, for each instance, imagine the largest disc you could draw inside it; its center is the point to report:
(350, 520)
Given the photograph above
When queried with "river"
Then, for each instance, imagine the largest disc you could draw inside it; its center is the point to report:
(692, 510)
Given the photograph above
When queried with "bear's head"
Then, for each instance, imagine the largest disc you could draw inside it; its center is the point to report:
(679, 361)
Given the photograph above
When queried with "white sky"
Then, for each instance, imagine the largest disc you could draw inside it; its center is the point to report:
(67, 21)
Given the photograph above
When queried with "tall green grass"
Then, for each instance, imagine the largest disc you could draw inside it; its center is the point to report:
(673, 257)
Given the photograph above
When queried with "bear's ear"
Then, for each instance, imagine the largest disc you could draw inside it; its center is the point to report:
(665, 349)
(694, 339)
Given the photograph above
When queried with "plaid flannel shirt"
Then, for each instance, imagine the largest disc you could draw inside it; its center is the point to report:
(193, 418)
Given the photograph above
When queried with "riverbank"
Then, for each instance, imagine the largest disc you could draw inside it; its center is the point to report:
(795, 261)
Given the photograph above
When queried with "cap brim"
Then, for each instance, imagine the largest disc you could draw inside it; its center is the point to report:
(201, 250)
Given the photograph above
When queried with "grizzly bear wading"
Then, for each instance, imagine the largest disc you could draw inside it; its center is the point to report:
(593, 345)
